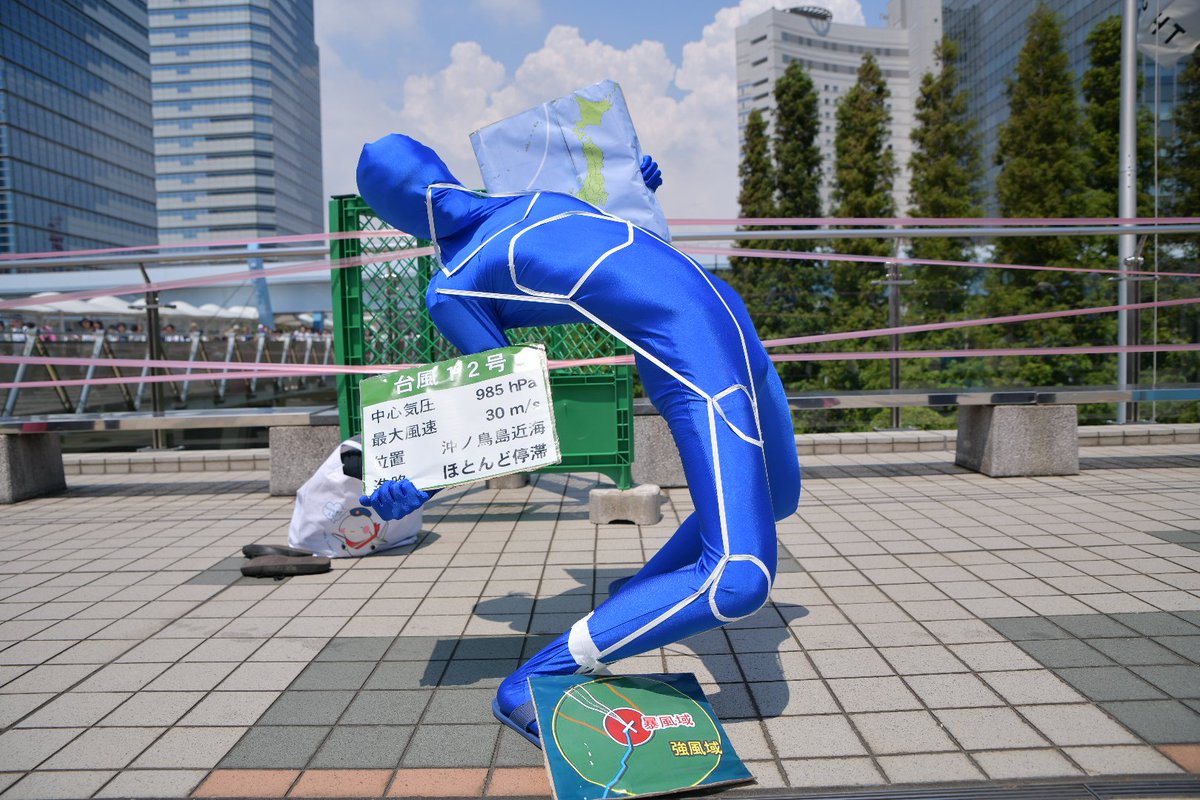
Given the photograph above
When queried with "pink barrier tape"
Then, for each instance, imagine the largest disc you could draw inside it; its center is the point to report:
(172, 378)
(235, 366)
(149, 249)
(250, 366)
(682, 222)
(316, 371)
(802, 255)
(220, 277)
(937, 221)
(986, 353)
(967, 323)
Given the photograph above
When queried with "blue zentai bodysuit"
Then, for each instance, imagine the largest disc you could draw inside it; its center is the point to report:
(549, 259)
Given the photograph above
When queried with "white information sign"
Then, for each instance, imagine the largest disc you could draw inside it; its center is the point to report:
(459, 421)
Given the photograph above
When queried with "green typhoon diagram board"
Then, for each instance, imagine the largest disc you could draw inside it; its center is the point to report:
(631, 736)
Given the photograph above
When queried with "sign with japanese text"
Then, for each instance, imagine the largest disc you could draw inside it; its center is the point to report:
(461, 420)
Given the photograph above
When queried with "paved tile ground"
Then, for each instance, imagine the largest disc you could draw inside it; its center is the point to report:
(928, 625)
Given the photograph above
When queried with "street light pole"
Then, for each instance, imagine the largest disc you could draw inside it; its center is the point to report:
(1127, 332)
(893, 284)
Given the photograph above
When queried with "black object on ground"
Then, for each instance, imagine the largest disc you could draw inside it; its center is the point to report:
(256, 550)
(285, 566)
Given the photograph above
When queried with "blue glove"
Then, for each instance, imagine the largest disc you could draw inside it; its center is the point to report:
(651, 174)
(395, 499)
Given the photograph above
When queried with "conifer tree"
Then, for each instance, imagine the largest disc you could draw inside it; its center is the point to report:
(1043, 173)
(864, 169)
(797, 157)
(756, 198)
(946, 173)
(1181, 325)
(1183, 162)
(800, 288)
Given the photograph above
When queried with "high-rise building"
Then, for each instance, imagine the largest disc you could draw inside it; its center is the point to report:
(832, 53)
(76, 141)
(237, 119)
(991, 36)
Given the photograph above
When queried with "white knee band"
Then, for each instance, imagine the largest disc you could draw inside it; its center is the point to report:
(583, 649)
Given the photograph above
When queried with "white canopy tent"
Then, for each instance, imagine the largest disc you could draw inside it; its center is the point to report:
(109, 306)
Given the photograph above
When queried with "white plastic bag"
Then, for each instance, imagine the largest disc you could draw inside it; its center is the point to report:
(329, 521)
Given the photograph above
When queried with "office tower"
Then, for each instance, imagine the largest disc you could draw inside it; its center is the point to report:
(76, 141)
(237, 119)
(991, 36)
(832, 53)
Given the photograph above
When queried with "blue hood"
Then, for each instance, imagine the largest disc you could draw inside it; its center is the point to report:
(394, 174)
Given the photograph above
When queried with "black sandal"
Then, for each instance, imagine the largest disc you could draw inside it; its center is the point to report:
(280, 567)
(256, 550)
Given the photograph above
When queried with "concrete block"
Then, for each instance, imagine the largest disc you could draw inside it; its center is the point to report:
(641, 505)
(655, 456)
(297, 451)
(1012, 441)
(852, 442)
(31, 465)
(518, 480)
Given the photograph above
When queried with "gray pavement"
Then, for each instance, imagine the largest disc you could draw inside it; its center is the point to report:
(928, 626)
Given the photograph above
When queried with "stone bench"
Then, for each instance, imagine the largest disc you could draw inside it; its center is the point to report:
(1008, 433)
(31, 451)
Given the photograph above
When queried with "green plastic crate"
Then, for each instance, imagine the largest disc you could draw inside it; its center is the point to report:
(379, 317)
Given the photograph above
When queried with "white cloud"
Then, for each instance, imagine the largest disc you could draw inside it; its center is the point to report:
(685, 113)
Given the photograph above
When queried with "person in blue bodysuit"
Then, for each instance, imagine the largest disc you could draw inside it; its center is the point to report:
(545, 258)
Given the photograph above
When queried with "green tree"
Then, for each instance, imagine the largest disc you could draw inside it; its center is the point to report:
(784, 297)
(946, 174)
(756, 198)
(1182, 324)
(1043, 173)
(797, 157)
(800, 288)
(863, 173)
(1183, 160)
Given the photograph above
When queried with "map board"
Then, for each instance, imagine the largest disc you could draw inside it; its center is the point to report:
(583, 144)
(631, 736)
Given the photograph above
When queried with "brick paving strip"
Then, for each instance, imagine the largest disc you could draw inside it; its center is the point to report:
(928, 626)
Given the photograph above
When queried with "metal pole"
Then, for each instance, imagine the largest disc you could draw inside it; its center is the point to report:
(10, 402)
(158, 438)
(893, 271)
(893, 284)
(1126, 191)
(86, 391)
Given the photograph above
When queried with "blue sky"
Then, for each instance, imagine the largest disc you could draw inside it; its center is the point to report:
(439, 69)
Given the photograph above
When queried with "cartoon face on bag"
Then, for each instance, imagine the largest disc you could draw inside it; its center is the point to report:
(356, 530)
